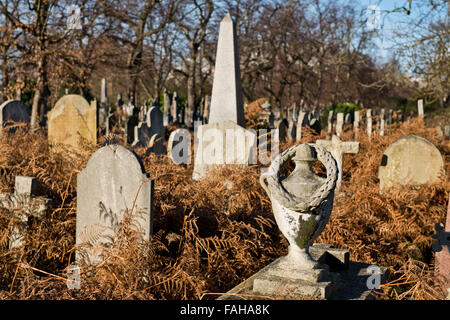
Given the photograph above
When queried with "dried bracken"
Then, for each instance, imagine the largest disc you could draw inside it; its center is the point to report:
(210, 235)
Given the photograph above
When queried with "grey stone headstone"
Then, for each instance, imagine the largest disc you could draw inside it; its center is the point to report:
(227, 102)
(155, 121)
(420, 107)
(113, 184)
(369, 122)
(339, 123)
(410, 160)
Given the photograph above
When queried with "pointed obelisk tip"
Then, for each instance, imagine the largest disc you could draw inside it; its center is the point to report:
(227, 18)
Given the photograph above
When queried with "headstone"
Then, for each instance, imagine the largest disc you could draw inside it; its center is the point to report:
(24, 202)
(222, 143)
(447, 131)
(271, 120)
(369, 122)
(156, 145)
(443, 257)
(339, 123)
(227, 102)
(144, 131)
(72, 118)
(348, 118)
(410, 160)
(132, 122)
(179, 146)
(382, 116)
(112, 185)
(13, 111)
(302, 120)
(420, 107)
(338, 148)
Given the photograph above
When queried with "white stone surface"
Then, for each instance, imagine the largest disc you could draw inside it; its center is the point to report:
(106, 190)
(227, 101)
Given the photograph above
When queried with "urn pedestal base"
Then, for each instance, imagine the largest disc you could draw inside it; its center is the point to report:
(343, 280)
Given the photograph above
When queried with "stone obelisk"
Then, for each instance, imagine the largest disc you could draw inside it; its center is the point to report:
(227, 100)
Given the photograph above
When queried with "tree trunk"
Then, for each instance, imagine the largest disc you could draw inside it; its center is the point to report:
(192, 70)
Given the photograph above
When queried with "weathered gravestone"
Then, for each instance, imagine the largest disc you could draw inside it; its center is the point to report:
(356, 123)
(13, 111)
(71, 119)
(179, 146)
(338, 148)
(224, 139)
(410, 160)
(113, 185)
(144, 132)
(369, 122)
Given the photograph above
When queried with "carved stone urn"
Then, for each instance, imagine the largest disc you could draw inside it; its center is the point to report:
(301, 203)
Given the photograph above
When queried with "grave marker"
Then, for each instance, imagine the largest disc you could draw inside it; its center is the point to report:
(338, 148)
(179, 146)
(72, 118)
(113, 184)
(410, 160)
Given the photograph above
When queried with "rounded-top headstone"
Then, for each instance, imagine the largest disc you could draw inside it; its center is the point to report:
(410, 160)
(14, 111)
(113, 183)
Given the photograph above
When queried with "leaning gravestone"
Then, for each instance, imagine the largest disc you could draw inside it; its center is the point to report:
(13, 111)
(410, 160)
(70, 119)
(112, 185)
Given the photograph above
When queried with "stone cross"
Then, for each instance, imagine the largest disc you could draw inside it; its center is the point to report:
(112, 185)
(338, 148)
(369, 122)
(24, 203)
(410, 160)
(339, 123)
(227, 102)
(420, 107)
(179, 146)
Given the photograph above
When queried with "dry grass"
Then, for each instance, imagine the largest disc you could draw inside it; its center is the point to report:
(210, 235)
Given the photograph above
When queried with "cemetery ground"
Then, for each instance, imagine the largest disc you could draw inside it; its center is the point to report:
(209, 235)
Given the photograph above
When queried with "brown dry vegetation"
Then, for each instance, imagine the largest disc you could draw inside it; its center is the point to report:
(210, 235)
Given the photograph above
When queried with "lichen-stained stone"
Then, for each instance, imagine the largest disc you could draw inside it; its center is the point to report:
(112, 184)
(72, 118)
(410, 160)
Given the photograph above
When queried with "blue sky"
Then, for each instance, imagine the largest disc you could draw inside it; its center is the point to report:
(394, 19)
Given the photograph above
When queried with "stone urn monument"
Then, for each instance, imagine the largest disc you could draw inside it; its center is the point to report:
(302, 205)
